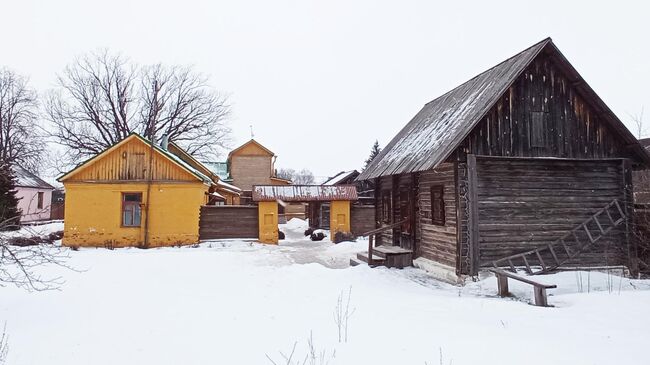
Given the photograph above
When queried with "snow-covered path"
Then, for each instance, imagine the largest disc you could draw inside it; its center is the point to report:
(233, 302)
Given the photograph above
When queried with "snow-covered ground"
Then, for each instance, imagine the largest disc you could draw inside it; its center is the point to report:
(237, 302)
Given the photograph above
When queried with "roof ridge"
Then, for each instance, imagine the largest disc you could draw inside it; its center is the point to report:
(453, 115)
(545, 40)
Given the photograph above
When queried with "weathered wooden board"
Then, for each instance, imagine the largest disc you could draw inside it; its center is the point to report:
(437, 242)
(515, 214)
(362, 218)
(228, 221)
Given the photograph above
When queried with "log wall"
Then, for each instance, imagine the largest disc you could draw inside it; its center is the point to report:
(528, 203)
(435, 242)
(362, 218)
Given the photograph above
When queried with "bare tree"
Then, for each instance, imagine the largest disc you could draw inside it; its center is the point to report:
(22, 256)
(102, 97)
(286, 174)
(342, 314)
(21, 140)
(92, 108)
(302, 177)
(4, 345)
(179, 102)
(639, 126)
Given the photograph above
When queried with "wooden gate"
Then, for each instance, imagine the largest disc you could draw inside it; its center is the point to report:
(228, 221)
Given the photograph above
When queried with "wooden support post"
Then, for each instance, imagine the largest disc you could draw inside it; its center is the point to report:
(628, 202)
(502, 285)
(540, 296)
(472, 219)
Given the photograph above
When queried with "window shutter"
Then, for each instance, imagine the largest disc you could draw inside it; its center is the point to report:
(438, 205)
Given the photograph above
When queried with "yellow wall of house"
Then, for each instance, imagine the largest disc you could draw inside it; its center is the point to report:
(339, 217)
(93, 214)
(268, 222)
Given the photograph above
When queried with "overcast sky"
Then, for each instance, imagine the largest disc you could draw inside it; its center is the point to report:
(321, 80)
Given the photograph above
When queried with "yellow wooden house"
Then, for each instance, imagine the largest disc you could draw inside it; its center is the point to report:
(134, 194)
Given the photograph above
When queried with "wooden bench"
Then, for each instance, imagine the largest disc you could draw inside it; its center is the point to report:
(539, 288)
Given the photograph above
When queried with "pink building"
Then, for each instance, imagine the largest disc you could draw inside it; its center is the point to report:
(34, 194)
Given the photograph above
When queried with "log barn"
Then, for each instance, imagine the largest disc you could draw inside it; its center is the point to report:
(523, 165)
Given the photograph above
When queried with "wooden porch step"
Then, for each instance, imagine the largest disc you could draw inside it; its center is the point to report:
(355, 261)
(376, 260)
(384, 251)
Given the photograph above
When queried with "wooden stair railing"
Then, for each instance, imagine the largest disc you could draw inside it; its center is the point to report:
(558, 250)
(371, 237)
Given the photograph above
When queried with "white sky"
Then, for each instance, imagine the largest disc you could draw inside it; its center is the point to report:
(320, 81)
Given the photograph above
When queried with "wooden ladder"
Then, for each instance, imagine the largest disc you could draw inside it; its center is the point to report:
(558, 249)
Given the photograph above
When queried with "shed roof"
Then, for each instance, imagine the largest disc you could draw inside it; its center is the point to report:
(442, 124)
(341, 176)
(304, 193)
(27, 179)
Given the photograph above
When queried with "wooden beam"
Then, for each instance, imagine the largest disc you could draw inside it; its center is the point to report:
(472, 219)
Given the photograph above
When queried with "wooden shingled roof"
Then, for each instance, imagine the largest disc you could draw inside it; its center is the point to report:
(442, 124)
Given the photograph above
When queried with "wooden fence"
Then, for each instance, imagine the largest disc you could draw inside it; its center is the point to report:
(241, 221)
(228, 221)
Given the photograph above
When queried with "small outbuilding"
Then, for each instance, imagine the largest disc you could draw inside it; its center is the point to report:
(34, 195)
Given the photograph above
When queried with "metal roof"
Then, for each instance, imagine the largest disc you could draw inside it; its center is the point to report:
(26, 179)
(442, 124)
(303, 193)
(218, 168)
(341, 176)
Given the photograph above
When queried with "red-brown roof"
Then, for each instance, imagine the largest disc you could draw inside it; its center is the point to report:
(303, 193)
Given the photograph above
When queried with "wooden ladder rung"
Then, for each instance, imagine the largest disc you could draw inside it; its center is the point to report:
(541, 262)
(550, 248)
(528, 269)
(584, 226)
(566, 249)
(610, 216)
(602, 231)
(618, 207)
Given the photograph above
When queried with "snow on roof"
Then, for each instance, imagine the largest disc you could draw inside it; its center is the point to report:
(27, 179)
(304, 193)
(442, 124)
(227, 186)
(338, 177)
(215, 194)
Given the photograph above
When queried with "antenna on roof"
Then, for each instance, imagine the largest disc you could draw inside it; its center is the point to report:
(252, 134)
